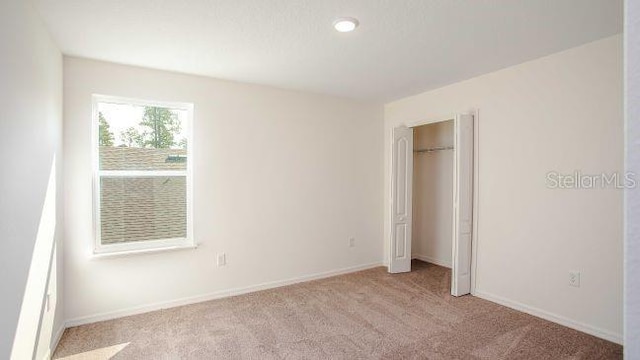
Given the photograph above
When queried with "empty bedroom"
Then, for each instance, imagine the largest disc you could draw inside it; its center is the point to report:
(306, 179)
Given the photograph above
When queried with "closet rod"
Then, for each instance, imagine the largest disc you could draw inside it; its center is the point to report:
(440, 148)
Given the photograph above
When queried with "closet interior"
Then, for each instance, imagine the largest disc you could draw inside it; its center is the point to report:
(433, 175)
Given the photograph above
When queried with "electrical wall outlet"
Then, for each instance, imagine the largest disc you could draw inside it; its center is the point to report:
(352, 242)
(222, 259)
(574, 278)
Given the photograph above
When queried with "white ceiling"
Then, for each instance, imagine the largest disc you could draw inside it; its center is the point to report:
(402, 47)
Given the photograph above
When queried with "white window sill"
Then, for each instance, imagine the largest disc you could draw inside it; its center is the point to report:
(124, 253)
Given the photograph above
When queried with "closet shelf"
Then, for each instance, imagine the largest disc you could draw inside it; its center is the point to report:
(428, 150)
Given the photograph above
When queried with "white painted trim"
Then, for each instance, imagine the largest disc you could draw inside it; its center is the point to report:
(215, 295)
(142, 102)
(475, 240)
(143, 173)
(55, 341)
(558, 319)
(140, 246)
(432, 260)
(433, 120)
(124, 253)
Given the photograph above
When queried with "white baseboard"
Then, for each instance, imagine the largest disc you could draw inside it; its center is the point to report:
(559, 319)
(432, 260)
(212, 296)
(591, 330)
(54, 342)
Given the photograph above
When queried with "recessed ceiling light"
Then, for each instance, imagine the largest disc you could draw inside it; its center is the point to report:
(346, 24)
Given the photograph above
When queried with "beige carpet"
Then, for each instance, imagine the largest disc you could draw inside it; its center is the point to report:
(365, 315)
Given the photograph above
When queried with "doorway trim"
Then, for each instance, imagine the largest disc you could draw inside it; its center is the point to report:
(476, 193)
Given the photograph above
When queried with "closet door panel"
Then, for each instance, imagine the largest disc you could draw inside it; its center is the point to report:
(401, 199)
(463, 206)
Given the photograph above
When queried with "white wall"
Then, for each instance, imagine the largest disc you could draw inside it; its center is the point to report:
(30, 124)
(433, 194)
(282, 180)
(559, 113)
(632, 248)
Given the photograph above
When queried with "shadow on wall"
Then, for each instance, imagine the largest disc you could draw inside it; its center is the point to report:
(36, 321)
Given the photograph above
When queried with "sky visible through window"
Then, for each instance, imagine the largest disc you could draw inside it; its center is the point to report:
(121, 118)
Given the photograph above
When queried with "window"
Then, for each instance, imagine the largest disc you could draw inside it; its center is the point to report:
(142, 174)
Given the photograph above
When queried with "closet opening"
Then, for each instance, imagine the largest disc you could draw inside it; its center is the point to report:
(432, 225)
(432, 191)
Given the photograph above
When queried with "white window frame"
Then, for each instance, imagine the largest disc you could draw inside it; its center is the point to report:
(147, 245)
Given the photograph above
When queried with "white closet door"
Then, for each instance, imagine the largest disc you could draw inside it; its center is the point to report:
(401, 193)
(463, 206)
